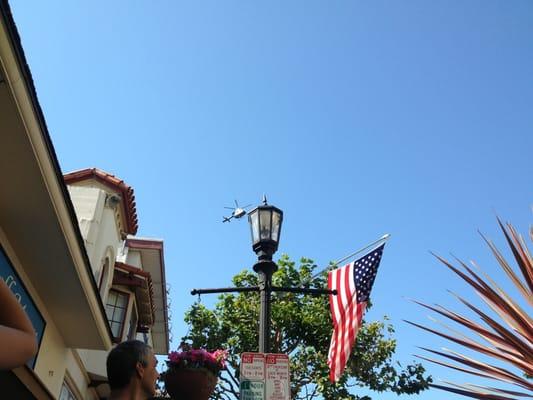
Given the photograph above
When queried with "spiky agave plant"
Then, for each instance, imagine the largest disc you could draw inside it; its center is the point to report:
(508, 338)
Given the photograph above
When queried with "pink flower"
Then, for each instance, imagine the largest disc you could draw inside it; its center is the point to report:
(174, 356)
(198, 358)
(220, 357)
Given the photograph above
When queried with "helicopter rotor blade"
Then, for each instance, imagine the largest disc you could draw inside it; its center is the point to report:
(230, 208)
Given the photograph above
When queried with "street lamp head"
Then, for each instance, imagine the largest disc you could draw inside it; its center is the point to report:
(265, 223)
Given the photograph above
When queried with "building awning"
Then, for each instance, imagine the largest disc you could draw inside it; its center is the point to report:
(36, 214)
(152, 261)
(140, 282)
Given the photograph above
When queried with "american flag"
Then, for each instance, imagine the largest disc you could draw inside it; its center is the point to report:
(353, 283)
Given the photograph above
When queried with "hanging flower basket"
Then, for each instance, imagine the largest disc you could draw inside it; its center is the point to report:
(190, 383)
(192, 374)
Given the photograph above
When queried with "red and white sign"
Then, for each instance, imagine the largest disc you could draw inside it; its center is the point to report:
(253, 366)
(265, 377)
(277, 377)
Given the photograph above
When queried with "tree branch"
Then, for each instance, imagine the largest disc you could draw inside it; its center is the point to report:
(231, 387)
(233, 377)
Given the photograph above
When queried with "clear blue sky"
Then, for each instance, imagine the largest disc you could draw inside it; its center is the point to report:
(356, 118)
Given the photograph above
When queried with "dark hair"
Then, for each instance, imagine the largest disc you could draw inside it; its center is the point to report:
(122, 362)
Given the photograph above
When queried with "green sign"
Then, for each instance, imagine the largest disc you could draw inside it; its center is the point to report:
(252, 390)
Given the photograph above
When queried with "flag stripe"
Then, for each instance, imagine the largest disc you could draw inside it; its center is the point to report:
(333, 345)
(347, 328)
(340, 326)
(353, 283)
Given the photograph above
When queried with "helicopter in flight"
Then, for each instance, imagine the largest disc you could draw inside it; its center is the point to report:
(238, 212)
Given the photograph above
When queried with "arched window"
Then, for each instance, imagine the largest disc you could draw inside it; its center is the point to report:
(106, 272)
(104, 277)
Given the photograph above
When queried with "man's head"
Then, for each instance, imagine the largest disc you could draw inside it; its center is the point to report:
(134, 363)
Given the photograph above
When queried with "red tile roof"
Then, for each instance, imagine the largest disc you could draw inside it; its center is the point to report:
(114, 183)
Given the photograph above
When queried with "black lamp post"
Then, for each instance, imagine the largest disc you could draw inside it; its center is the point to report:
(265, 223)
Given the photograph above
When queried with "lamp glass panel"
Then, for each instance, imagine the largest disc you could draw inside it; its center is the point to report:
(276, 221)
(265, 219)
(254, 225)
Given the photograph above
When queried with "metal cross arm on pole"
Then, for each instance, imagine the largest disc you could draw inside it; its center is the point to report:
(317, 292)
(314, 292)
(225, 290)
(265, 289)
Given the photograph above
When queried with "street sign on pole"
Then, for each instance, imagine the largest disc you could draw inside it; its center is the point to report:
(253, 366)
(252, 390)
(277, 377)
(264, 377)
(252, 376)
